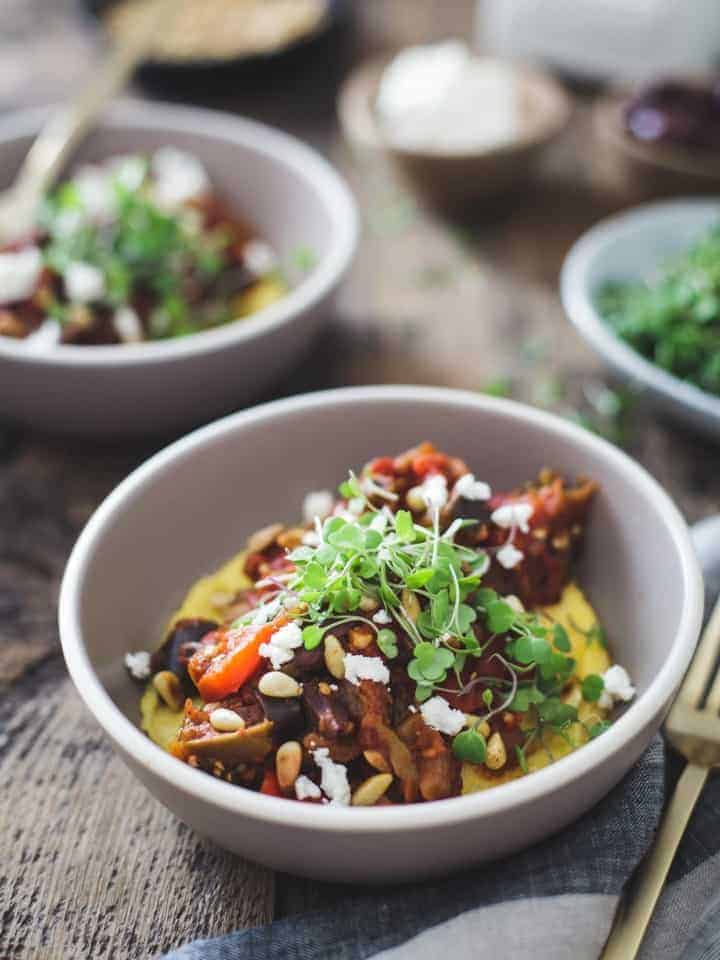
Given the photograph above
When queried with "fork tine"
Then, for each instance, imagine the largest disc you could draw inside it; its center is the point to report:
(703, 665)
(713, 699)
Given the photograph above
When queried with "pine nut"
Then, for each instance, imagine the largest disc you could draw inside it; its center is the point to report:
(360, 637)
(483, 728)
(169, 689)
(278, 684)
(515, 603)
(226, 721)
(369, 604)
(496, 756)
(411, 604)
(262, 538)
(370, 790)
(288, 761)
(377, 760)
(334, 656)
(415, 500)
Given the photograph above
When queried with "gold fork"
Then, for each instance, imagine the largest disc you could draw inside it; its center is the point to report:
(693, 728)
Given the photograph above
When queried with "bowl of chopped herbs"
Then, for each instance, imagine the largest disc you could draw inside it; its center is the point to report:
(643, 289)
(182, 263)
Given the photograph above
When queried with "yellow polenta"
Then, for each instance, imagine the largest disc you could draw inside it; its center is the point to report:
(578, 618)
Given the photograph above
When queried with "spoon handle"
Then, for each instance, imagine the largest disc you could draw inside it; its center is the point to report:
(69, 124)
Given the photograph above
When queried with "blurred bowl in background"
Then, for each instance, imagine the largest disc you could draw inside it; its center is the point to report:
(642, 169)
(453, 178)
(632, 246)
(271, 55)
(295, 199)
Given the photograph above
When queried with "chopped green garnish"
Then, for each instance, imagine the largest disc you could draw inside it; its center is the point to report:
(592, 687)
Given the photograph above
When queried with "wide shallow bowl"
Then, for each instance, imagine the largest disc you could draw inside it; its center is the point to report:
(190, 507)
(633, 246)
(288, 191)
(451, 180)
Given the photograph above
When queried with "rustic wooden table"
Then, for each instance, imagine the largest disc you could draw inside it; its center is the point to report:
(91, 865)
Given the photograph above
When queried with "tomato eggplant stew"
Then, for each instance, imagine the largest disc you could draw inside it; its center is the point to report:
(138, 248)
(418, 637)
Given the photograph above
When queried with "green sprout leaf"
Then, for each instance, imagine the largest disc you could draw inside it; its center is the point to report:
(312, 637)
(387, 642)
(469, 746)
(592, 687)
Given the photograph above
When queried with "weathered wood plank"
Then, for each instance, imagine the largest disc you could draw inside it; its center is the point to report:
(92, 866)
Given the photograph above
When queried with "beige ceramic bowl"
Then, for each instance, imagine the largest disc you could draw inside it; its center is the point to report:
(451, 181)
(191, 506)
(288, 191)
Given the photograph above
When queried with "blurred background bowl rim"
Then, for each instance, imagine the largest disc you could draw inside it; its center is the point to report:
(294, 154)
(643, 711)
(577, 300)
(359, 120)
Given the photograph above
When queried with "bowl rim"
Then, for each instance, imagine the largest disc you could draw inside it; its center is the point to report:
(328, 818)
(312, 168)
(577, 301)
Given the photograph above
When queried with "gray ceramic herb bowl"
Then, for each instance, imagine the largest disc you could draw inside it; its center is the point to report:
(232, 477)
(287, 190)
(633, 246)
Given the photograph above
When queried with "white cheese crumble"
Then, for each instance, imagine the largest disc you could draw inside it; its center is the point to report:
(279, 649)
(259, 258)
(382, 617)
(513, 515)
(359, 668)
(95, 191)
(508, 556)
(618, 687)
(438, 714)
(127, 325)
(356, 506)
(265, 612)
(83, 282)
(311, 539)
(333, 779)
(305, 789)
(471, 489)
(179, 177)
(19, 274)
(515, 603)
(317, 503)
(138, 664)
(379, 522)
(128, 170)
(434, 491)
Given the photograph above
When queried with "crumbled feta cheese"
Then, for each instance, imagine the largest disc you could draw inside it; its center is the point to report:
(359, 668)
(618, 687)
(333, 778)
(138, 664)
(508, 556)
(438, 714)
(179, 177)
(95, 192)
(434, 491)
(317, 503)
(382, 617)
(83, 282)
(311, 539)
(279, 649)
(356, 506)
(129, 171)
(19, 274)
(47, 335)
(265, 612)
(127, 325)
(305, 789)
(259, 258)
(513, 515)
(471, 489)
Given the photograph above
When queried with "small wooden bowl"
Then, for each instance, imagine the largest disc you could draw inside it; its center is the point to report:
(645, 170)
(453, 180)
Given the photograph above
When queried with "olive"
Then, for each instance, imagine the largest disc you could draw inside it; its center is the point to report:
(180, 644)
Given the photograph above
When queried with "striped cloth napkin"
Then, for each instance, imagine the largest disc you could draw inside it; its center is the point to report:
(553, 902)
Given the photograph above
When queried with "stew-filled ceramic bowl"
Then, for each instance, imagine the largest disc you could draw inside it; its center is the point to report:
(189, 508)
(285, 189)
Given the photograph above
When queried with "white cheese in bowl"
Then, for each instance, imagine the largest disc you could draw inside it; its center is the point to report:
(441, 98)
